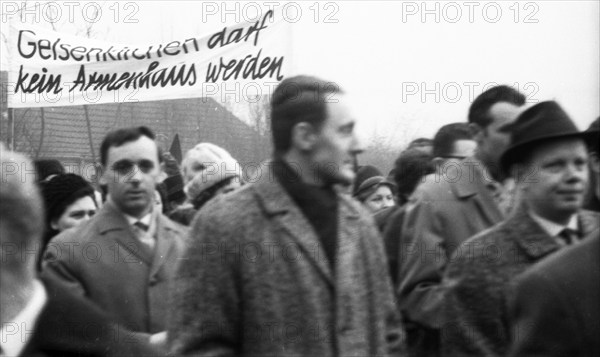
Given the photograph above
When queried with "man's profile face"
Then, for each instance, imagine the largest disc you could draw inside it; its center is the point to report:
(131, 174)
(556, 179)
(333, 153)
(493, 142)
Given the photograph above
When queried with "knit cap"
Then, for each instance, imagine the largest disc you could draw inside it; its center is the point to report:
(211, 163)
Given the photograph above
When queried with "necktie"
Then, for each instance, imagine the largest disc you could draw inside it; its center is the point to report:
(141, 225)
(568, 236)
(141, 232)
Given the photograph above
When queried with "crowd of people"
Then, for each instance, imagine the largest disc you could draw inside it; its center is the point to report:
(482, 241)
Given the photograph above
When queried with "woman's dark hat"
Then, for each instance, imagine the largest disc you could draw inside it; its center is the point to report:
(62, 190)
(368, 179)
(540, 123)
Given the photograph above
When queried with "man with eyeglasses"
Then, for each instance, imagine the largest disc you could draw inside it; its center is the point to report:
(454, 141)
(465, 199)
(123, 259)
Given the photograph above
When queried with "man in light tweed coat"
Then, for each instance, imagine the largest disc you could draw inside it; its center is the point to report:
(288, 266)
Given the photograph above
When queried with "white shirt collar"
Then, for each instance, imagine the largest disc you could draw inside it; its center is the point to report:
(147, 219)
(553, 228)
(16, 334)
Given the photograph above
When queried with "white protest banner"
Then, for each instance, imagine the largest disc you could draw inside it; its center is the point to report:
(48, 68)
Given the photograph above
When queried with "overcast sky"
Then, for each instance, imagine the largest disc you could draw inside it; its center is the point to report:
(409, 69)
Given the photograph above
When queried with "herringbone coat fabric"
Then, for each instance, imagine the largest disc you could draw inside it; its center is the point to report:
(256, 281)
(556, 307)
(479, 278)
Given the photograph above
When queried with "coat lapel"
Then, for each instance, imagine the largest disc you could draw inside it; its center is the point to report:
(532, 238)
(114, 226)
(279, 205)
(164, 243)
(349, 232)
(472, 184)
(588, 222)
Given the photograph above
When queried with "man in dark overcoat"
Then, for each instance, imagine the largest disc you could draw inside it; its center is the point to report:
(287, 266)
(556, 305)
(124, 258)
(548, 160)
(43, 317)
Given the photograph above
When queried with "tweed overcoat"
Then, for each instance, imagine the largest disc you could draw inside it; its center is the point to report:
(256, 281)
(104, 261)
(478, 282)
(556, 305)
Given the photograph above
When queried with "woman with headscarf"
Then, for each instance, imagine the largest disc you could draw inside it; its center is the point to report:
(69, 200)
(208, 171)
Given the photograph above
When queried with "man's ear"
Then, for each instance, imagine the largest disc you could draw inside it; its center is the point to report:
(54, 224)
(102, 176)
(595, 162)
(437, 161)
(304, 136)
(522, 173)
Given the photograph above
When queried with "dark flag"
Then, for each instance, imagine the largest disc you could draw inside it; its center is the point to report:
(175, 149)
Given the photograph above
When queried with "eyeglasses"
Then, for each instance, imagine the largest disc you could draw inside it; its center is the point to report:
(454, 157)
(125, 167)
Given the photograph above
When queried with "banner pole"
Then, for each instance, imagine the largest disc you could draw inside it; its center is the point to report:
(11, 129)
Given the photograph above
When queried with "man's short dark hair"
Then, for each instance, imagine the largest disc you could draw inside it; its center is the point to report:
(296, 100)
(47, 167)
(479, 110)
(419, 142)
(443, 142)
(410, 167)
(119, 137)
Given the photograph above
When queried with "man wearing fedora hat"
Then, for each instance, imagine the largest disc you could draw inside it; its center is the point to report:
(593, 200)
(547, 158)
(556, 309)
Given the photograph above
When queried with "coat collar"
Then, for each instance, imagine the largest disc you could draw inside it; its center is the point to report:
(471, 180)
(534, 240)
(114, 223)
(277, 204)
(472, 183)
(166, 231)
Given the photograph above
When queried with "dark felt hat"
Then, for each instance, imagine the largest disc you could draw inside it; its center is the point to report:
(367, 181)
(363, 173)
(538, 124)
(593, 140)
